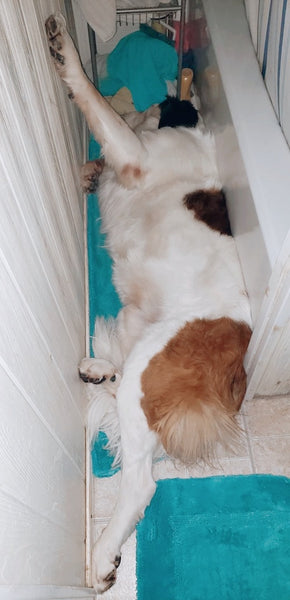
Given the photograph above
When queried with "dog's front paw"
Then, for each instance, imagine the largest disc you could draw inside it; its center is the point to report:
(104, 569)
(100, 371)
(90, 173)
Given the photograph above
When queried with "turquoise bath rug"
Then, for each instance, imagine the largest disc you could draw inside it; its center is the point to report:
(219, 538)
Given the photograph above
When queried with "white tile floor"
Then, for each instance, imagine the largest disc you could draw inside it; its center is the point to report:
(264, 448)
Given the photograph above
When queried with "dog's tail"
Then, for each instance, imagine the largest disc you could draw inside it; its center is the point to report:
(192, 435)
(192, 391)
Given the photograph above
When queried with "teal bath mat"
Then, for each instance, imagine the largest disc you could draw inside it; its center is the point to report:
(102, 460)
(219, 538)
(103, 298)
(103, 301)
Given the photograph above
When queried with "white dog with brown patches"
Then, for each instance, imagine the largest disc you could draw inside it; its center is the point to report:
(174, 357)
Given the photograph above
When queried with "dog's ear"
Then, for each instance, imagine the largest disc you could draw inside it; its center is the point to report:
(177, 113)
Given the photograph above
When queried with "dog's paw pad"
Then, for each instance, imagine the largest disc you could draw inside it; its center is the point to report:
(103, 583)
(54, 26)
(57, 56)
(97, 370)
(87, 379)
(56, 34)
(90, 173)
(111, 578)
(117, 560)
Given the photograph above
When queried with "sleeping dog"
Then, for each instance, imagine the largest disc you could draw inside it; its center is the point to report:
(173, 359)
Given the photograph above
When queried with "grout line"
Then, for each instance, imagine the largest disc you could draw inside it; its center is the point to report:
(101, 520)
(271, 436)
(251, 457)
(88, 477)
(85, 217)
(257, 398)
(88, 500)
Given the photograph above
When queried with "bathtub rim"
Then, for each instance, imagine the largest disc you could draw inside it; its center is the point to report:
(267, 166)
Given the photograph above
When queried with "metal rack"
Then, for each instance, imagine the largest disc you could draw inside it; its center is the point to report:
(137, 13)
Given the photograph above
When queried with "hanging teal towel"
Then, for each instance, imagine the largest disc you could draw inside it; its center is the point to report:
(142, 64)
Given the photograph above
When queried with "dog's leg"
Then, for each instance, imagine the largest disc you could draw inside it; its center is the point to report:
(130, 326)
(136, 489)
(122, 149)
(102, 381)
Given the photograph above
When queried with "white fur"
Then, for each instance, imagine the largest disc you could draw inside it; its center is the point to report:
(174, 269)
(169, 268)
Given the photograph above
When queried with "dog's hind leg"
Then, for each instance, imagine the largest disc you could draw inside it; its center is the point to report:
(130, 326)
(121, 147)
(112, 342)
(136, 489)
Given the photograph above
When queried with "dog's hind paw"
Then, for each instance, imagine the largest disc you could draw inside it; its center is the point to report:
(55, 28)
(62, 49)
(104, 571)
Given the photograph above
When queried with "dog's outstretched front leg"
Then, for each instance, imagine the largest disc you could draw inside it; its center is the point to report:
(136, 489)
(121, 147)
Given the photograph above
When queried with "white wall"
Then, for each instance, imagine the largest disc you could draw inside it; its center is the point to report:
(254, 164)
(42, 313)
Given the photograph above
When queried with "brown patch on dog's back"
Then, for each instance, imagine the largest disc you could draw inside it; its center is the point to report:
(195, 386)
(210, 207)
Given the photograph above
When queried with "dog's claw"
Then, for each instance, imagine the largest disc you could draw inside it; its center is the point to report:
(54, 25)
(95, 380)
(117, 560)
(51, 27)
(110, 579)
(55, 31)
(57, 56)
